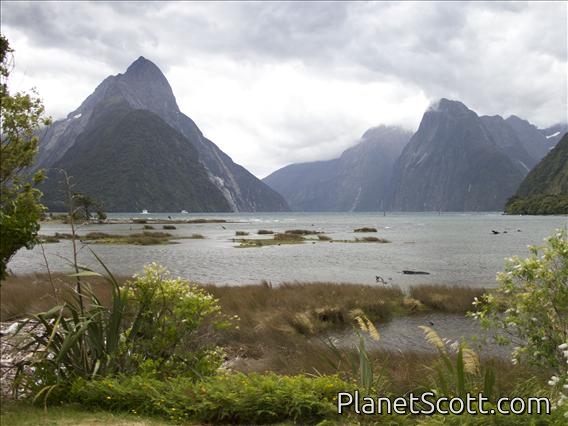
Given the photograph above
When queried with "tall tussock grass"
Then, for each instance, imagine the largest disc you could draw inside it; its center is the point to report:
(33, 293)
(452, 299)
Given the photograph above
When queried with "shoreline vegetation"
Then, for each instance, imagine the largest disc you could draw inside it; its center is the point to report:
(277, 356)
(279, 344)
(149, 236)
(326, 304)
(63, 218)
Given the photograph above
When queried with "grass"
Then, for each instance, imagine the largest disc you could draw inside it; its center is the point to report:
(279, 328)
(453, 299)
(277, 239)
(296, 236)
(365, 229)
(302, 232)
(144, 238)
(25, 414)
(265, 232)
(30, 294)
(279, 331)
(48, 239)
(364, 240)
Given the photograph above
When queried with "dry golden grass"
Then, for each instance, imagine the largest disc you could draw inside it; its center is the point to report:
(30, 294)
(453, 299)
(279, 327)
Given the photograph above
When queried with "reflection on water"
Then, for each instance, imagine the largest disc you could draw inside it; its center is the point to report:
(454, 248)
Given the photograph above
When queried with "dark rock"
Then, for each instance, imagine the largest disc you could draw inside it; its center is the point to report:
(144, 87)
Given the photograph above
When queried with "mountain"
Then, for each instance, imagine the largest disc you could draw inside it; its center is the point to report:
(359, 180)
(553, 134)
(131, 160)
(143, 87)
(454, 163)
(545, 189)
(534, 140)
(505, 137)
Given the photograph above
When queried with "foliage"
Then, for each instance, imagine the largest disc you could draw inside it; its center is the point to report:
(155, 325)
(173, 325)
(71, 340)
(559, 383)
(226, 398)
(82, 203)
(359, 362)
(20, 209)
(533, 293)
(545, 188)
(22, 413)
(462, 376)
(540, 204)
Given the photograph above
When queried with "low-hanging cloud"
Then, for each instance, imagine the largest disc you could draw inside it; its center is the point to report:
(280, 82)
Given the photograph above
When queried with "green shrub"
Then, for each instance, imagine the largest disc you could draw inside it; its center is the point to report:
(533, 293)
(156, 325)
(169, 227)
(241, 233)
(80, 338)
(264, 232)
(227, 398)
(172, 326)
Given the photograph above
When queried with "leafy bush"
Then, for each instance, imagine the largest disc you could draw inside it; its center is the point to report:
(169, 227)
(533, 293)
(172, 324)
(156, 325)
(80, 338)
(227, 398)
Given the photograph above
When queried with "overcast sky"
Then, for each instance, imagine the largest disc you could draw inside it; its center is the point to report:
(274, 83)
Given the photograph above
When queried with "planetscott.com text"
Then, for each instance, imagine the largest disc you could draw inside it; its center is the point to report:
(427, 403)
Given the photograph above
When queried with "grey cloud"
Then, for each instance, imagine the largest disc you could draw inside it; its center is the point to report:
(445, 49)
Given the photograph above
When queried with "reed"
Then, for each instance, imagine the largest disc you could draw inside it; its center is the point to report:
(445, 298)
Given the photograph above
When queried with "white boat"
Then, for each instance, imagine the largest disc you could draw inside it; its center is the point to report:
(144, 211)
(184, 212)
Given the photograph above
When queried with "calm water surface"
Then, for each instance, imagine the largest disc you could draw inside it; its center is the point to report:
(455, 248)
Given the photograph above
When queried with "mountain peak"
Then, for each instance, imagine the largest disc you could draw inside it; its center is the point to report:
(144, 68)
(448, 105)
